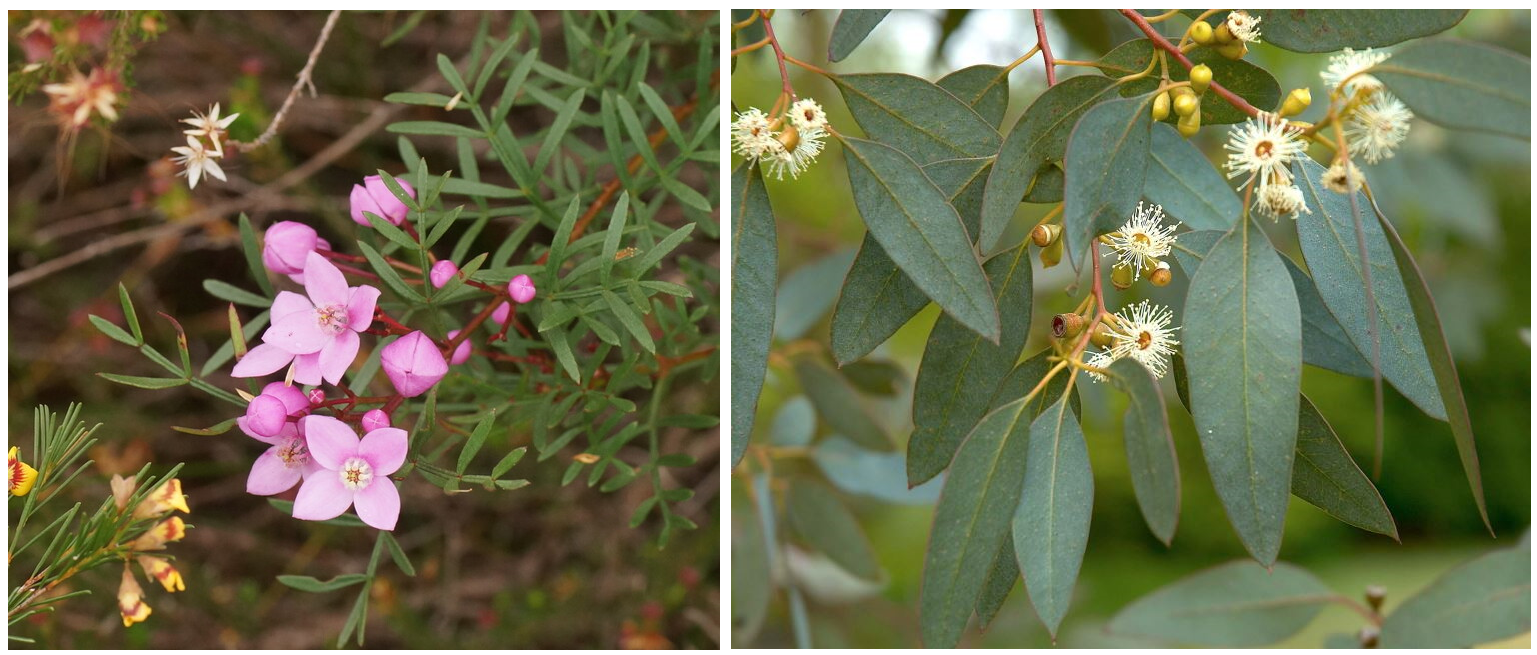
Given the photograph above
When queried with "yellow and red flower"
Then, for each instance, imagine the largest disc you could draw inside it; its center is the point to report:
(130, 599)
(22, 476)
(160, 570)
(171, 529)
(162, 500)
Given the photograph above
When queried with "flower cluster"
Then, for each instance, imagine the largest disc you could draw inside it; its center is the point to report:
(1141, 332)
(785, 143)
(1376, 123)
(1263, 149)
(198, 159)
(157, 568)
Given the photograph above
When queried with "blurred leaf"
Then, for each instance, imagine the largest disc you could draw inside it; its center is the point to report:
(795, 424)
(754, 266)
(825, 524)
(1234, 605)
(434, 128)
(1329, 243)
(1051, 522)
(751, 587)
(143, 382)
(1150, 456)
(1487, 599)
(311, 585)
(1241, 311)
(1183, 181)
(1461, 84)
(805, 295)
(838, 404)
(916, 117)
(1325, 475)
(916, 226)
(881, 378)
(220, 428)
(1247, 81)
(882, 476)
(427, 99)
(253, 255)
(1107, 161)
(1327, 30)
(984, 88)
(850, 30)
(824, 581)
(958, 363)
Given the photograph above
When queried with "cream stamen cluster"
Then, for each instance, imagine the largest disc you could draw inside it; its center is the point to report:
(1143, 239)
(789, 143)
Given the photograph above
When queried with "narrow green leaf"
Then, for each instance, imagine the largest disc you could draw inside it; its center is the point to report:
(1234, 605)
(515, 81)
(1243, 336)
(1182, 180)
(220, 428)
(557, 255)
(388, 274)
(630, 320)
(614, 233)
(830, 528)
(662, 112)
(143, 382)
(919, 229)
(1107, 161)
(558, 128)
(754, 274)
(1325, 475)
(838, 404)
(108, 328)
(850, 30)
(476, 439)
(1485, 600)
(560, 342)
(399, 555)
(314, 586)
(226, 291)
(1327, 30)
(917, 117)
(388, 230)
(1463, 85)
(653, 256)
(130, 317)
(984, 88)
(1051, 522)
(1150, 455)
(508, 461)
(434, 128)
(253, 255)
(427, 99)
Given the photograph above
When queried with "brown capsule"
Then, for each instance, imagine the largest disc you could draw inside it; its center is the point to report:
(1045, 235)
(1066, 325)
(1369, 635)
(1374, 595)
(1161, 276)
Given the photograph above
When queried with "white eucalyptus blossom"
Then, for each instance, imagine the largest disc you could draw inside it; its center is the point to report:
(1342, 177)
(1263, 148)
(1243, 26)
(798, 149)
(1143, 238)
(751, 135)
(1142, 332)
(1279, 200)
(806, 115)
(1101, 359)
(1343, 69)
(1377, 128)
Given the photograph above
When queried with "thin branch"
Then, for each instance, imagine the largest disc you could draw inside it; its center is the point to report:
(301, 83)
(1163, 43)
(1040, 38)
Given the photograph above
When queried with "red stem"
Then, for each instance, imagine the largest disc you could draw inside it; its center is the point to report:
(779, 54)
(1163, 43)
(1040, 37)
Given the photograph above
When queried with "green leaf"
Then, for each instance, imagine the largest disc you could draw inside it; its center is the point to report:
(1327, 30)
(1184, 182)
(396, 553)
(1243, 350)
(130, 317)
(560, 342)
(917, 117)
(630, 320)
(754, 274)
(1461, 84)
(1325, 475)
(1330, 246)
(838, 404)
(830, 528)
(1107, 161)
(1001, 579)
(507, 461)
(958, 363)
(388, 230)
(1441, 363)
(972, 522)
(1024, 377)
(919, 229)
(388, 275)
(850, 30)
(805, 295)
(557, 254)
(434, 128)
(660, 250)
(877, 297)
(143, 382)
(1051, 523)
(751, 584)
(426, 99)
(1487, 599)
(1247, 81)
(1234, 605)
(108, 328)
(314, 586)
(984, 88)
(226, 291)
(217, 429)
(462, 187)
(1150, 456)
(877, 475)
(253, 255)
(476, 439)
(614, 233)
(1040, 135)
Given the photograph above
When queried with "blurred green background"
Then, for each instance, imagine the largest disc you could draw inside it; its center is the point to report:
(1461, 201)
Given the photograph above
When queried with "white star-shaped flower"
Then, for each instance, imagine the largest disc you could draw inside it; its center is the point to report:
(198, 162)
(1263, 148)
(210, 125)
(1143, 238)
(1142, 333)
(1378, 127)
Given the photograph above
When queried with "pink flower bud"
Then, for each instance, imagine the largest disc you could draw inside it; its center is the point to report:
(287, 245)
(294, 400)
(461, 352)
(374, 419)
(521, 288)
(374, 197)
(265, 415)
(413, 364)
(501, 313)
(317, 396)
(442, 272)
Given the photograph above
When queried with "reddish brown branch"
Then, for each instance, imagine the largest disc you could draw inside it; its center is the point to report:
(1164, 44)
(1040, 37)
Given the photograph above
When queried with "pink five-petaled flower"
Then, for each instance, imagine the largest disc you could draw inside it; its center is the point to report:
(284, 464)
(442, 272)
(287, 246)
(355, 473)
(268, 412)
(374, 197)
(521, 288)
(413, 364)
(318, 333)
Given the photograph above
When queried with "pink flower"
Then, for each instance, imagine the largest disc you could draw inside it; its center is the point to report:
(286, 247)
(269, 412)
(374, 197)
(521, 288)
(354, 473)
(461, 352)
(442, 272)
(318, 333)
(374, 419)
(501, 313)
(284, 464)
(413, 363)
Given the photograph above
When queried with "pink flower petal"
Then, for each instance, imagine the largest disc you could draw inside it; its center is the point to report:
(270, 476)
(261, 360)
(322, 497)
(362, 202)
(330, 441)
(265, 415)
(297, 333)
(289, 430)
(384, 449)
(307, 368)
(378, 503)
(289, 302)
(360, 307)
(338, 355)
(324, 283)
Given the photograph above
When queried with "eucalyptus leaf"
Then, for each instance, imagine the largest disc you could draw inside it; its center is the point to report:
(1235, 605)
(823, 522)
(1182, 180)
(1327, 30)
(1327, 477)
(1461, 84)
(754, 274)
(983, 87)
(917, 117)
(1107, 161)
(850, 30)
(1485, 600)
(1150, 455)
(1051, 522)
(838, 404)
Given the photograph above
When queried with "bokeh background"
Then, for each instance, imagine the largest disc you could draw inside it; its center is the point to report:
(546, 566)
(1461, 201)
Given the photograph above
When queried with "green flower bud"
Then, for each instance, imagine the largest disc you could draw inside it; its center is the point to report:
(1186, 105)
(1121, 277)
(1161, 106)
(1234, 50)
(1200, 78)
(1189, 125)
(1201, 32)
(1297, 101)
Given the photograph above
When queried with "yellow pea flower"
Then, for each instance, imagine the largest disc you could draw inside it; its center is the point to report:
(22, 476)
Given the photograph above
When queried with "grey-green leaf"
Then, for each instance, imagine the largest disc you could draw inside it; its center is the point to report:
(1464, 85)
(917, 117)
(1051, 523)
(1243, 348)
(1328, 237)
(838, 404)
(1150, 455)
(1000, 583)
(1184, 182)
(958, 363)
(754, 274)
(827, 526)
(751, 587)
(850, 30)
(971, 522)
(920, 231)
(1107, 161)
(1487, 599)
(1234, 605)
(1327, 30)
(1327, 477)
(983, 87)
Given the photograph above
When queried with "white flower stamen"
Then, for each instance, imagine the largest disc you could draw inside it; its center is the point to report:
(355, 473)
(1143, 238)
(1279, 200)
(1378, 127)
(1343, 69)
(1263, 148)
(1142, 333)
(1243, 26)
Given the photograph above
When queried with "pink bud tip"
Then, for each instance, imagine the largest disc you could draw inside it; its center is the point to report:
(374, 196)
(317, 396)
(521, 288)
(461, 352)
(442, 272)
(413, 364)
(501, 313)
(374, 419)
(265, 415)
(287, 245)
